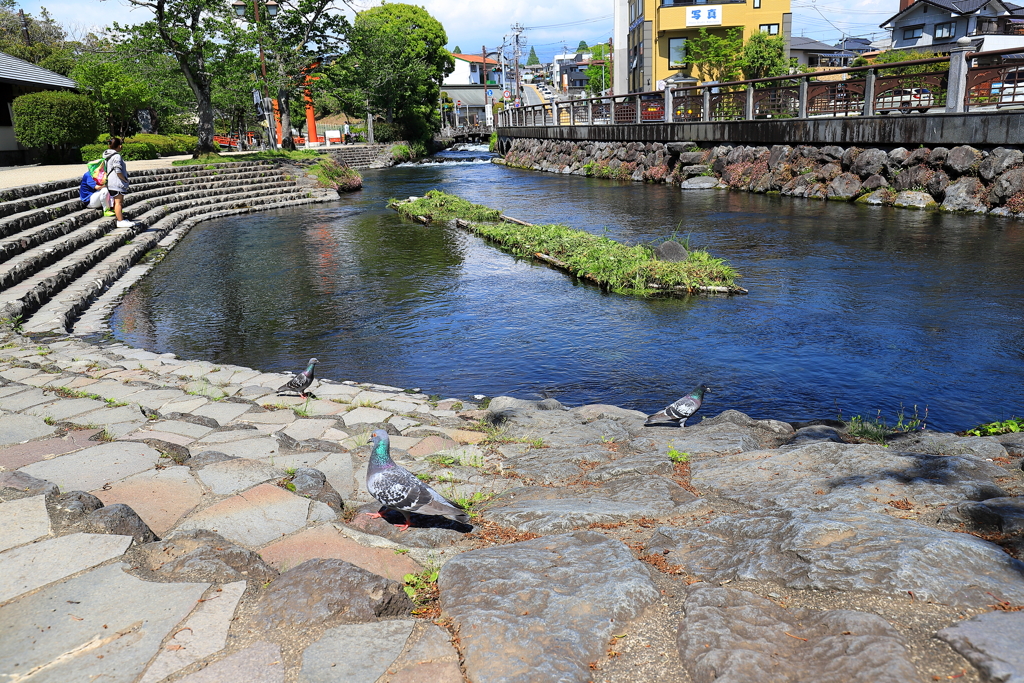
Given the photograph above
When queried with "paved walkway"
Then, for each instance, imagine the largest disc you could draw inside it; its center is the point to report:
(15, 176)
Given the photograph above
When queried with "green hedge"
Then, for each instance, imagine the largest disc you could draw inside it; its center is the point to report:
(131, 151)
(54, 117)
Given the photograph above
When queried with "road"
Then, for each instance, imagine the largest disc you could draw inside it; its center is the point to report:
(531, 95)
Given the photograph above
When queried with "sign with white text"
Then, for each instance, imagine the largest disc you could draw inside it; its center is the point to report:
(705, 15)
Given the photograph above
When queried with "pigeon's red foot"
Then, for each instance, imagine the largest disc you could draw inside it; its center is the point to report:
(402, 527)
(373, 515)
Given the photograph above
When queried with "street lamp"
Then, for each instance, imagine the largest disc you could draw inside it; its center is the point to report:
(272, 7)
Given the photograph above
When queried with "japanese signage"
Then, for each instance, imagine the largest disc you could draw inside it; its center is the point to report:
(704, 15)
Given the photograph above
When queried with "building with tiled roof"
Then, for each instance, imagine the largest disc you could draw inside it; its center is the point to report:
(936, 25)
(18, 77)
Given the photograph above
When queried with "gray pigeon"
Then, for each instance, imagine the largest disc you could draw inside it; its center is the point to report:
(301, 381)
(681, 409)
(396, 488)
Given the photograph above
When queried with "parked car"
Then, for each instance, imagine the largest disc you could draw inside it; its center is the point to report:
(1010, 88)
(904, 100)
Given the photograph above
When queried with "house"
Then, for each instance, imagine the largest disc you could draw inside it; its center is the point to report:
(568, 71)
(819, 56)
(936, 25)
(470, 69)
(650, 35)
(857, 46)
(18, 77)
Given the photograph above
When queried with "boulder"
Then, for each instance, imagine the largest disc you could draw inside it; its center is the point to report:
(990, 642)
(831, 153)
(1008, 184)
(695, 170)
(15, 485)
(869, 162)
(543, 610)
(915, 200)
(780, 154)
(845, 551)
(881, 197)
(913, 177)
(894, 160)
(966, 195)
(916, 156)
(689, 158)
(1005, 515)
(874, 182)
(937, 157)
(999, 161)
(937, 185)
(68, 508)
(941, 443)
(733, 636)
(962, 159)
(328, 592)
(844, 186)
(313, 484)
(671, 251)
(201, 555)
(116, 519)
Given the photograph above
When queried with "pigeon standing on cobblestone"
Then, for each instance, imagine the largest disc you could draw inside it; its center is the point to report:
(395, 487)
(301, 381)
(681, 409)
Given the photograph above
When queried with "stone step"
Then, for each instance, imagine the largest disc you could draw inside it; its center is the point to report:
(53, 230)
(46, 244)
(37, 289)
(17, 223)
(62, 310)
(17, 206)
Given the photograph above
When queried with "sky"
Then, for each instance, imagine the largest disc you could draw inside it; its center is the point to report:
(548, 25)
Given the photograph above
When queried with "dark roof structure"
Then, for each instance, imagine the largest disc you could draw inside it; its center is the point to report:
(18, 71)
(960, 7)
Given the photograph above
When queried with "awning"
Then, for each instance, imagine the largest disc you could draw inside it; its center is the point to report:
(838, 55)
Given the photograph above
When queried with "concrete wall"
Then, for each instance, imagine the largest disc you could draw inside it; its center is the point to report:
(984, 129)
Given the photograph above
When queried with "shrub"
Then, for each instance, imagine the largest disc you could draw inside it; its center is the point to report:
(90, 152)
(341, 177)
(54, 120)
(401, 153)
(385, 132)
(131, 151)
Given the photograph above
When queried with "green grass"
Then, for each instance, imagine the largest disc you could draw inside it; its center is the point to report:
(329, 173)
(297, 155)
(66, 392)
(877, 430)
(614, 266)
(1013, 425)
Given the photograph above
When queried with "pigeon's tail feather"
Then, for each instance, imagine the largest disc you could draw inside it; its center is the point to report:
(436, 507)
(659, 417)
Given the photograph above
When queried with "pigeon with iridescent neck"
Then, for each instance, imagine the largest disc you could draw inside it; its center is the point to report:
(678, 412)
(301, 381)
(396, 488)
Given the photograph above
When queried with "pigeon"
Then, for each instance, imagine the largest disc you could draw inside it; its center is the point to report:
(301, 381)
(679, 411)
(396, 488)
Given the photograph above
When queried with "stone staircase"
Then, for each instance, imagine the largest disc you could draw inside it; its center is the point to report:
(56, 255)
(363, 156)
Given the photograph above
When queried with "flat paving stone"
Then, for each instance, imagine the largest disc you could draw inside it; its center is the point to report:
(245, 448)
(202, 634)
(14, 457)
(156, 398)
(327, 542)
(143, 434)
(16, 429)
(112, 416)
(429, 658)
(159, 497)
(90, 468)
(40, 380)
(104, 625)
(24, 520)
(432, 444)
(19, 374)
(186, 405)
(258, 663)
(222, 412)
(275, 417)
(304, 429)
(66, 409)
(112, 389)
(991, 642)
(254, 517)
(364, 415)
(11, 390)
(184, 428)
(17, 402)
(325, 408)
(230, 435)
(355, 653)
(232, 476)
(26, 568)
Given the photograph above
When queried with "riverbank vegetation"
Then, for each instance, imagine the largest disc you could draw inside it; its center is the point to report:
(341, 177)
(613, 266)
(266, 155)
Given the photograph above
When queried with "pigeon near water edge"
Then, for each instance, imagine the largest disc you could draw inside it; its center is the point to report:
(396, 488)
(301, 381)
(677, 413)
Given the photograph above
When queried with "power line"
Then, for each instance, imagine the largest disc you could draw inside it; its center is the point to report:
(571, 23)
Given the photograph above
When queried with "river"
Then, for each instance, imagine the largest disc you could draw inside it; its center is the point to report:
(852, 309)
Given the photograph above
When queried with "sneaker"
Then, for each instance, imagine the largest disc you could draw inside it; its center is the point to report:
(108, 213)
(125, 224)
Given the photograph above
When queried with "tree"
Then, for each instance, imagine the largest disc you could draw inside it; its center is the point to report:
(717, 58)
(532, 59)
(118, 95)
(394, 67)
(55, 120)
(764, 56)
(582, 47)
(198, 34)
(47, 43)
(457, 50)
(897, 56)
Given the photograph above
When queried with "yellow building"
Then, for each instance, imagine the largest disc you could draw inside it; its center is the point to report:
(652, 35)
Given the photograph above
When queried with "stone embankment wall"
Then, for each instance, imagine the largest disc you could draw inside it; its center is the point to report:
(957, 179)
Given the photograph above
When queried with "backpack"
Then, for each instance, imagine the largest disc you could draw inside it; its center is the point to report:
(98, 170)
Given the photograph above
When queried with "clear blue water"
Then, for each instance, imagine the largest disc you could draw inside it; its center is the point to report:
(852, 309)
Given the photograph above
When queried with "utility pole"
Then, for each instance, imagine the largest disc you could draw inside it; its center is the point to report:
(24, 27)
(517, 53)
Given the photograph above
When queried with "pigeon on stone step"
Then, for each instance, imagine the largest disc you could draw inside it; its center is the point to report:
(301, 381)
(395, 487)
(681, 409)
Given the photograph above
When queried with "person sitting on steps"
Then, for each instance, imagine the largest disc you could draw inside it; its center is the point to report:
(117, 179)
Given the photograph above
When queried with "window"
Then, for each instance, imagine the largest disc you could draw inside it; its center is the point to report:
(472, 68)
(757, 4)
(676, 53)
(770, 29)
(912, 32)
(946, 30)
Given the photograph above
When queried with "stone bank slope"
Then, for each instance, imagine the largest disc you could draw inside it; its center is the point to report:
(959, 179)
(173, 520)
(56, 255)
